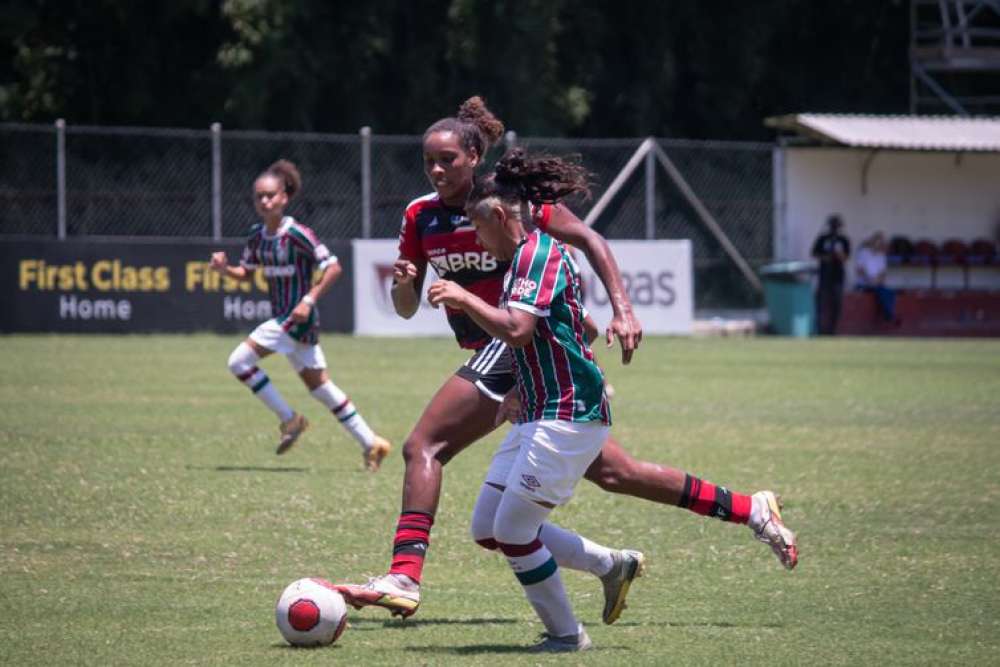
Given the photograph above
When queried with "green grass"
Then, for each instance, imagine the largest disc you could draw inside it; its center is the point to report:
(145, 520)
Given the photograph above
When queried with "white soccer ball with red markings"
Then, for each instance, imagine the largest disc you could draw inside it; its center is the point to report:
(310, 612)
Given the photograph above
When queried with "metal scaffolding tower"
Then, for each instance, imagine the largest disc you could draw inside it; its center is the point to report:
(955, 57)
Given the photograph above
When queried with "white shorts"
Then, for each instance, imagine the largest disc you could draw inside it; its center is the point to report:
(272, 336)
(544, 460)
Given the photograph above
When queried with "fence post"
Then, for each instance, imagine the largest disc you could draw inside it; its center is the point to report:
(650, 195)
(510, 140)
(61, 179)
(216, 181)
(366, 182)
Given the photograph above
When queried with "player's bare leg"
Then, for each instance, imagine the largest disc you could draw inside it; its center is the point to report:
(616, 471)
(457, 415)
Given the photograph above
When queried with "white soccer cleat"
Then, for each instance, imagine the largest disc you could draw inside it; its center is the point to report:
(770, 529)
(290, 432)
(386, 591)
(373, 455)
(565, 644)
(627, 565)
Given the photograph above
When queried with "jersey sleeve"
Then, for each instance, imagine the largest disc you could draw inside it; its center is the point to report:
(538, 277)
(306, 238)
(409, 239)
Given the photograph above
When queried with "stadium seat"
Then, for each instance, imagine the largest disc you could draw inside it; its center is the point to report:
(925, 253)
(954, 253)
(900, 250)
(982, 252)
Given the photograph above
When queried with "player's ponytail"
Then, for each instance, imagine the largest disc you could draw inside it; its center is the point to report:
(539, 179)
(476, 126)
(286, 172)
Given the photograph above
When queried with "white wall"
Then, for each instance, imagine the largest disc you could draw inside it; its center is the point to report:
(917, 194)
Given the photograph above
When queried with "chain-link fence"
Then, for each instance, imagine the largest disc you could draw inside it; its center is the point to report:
(69, 181)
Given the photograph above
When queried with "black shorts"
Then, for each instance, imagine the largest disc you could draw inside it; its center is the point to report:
(490, 369)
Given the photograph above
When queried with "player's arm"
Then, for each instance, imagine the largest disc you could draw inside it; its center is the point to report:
(407, 281)
(513, 326)
(590, 329)
(219, 262)
(304, 308)
(568, 228)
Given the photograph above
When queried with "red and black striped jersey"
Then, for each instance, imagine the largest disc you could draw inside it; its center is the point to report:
(443, 237)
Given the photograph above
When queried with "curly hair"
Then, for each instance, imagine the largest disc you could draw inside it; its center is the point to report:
(286, 172)
(476, 126)
(539, 179)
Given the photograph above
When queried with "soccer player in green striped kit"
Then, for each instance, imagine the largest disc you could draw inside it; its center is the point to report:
(564, 416)
(288, 252)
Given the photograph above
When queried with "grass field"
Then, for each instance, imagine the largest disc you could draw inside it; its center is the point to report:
(145, 519)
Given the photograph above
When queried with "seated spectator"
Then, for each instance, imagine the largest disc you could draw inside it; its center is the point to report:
(869, 276)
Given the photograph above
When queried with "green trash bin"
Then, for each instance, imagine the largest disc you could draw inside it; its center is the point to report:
(788, 293)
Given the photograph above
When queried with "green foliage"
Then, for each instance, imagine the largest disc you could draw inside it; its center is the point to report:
(144, 518)
(549, 67)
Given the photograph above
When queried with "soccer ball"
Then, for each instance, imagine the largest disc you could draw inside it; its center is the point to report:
(310, 612)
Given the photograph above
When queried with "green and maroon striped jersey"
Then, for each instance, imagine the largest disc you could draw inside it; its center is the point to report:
(288, 259)
(557, 377)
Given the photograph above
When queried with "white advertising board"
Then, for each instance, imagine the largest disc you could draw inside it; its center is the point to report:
(657, 276)
(659, 282)
(373, 311)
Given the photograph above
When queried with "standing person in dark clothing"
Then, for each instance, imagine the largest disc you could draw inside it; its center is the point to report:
(832, 250)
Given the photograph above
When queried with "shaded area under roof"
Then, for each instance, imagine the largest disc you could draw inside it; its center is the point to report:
(925, 133)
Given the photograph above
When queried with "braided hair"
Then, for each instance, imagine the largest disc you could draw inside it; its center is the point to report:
(539, 179)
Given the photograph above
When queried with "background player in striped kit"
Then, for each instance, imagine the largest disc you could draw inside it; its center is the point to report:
(437, 232)
(288, 252)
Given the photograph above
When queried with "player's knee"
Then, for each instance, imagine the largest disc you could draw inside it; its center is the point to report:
(517, 522)
(483, 516)
(242, 359)
(417, 448)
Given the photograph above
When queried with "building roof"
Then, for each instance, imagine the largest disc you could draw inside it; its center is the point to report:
(921, 133)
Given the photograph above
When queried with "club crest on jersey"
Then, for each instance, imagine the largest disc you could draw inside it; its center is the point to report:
(457, 261)
(281, 251)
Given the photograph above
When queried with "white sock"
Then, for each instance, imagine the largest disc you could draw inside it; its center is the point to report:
(516, 529)
(343, 409)
(575, 551)
(569, 549)
(243, 364)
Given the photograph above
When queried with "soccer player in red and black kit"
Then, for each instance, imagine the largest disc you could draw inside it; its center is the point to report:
(437, 232)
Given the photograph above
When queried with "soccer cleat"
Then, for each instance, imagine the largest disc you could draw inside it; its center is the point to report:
(373, 455)
(627, 565)
(384, 591)
(771, 530)
(565, 644)
(290, 432)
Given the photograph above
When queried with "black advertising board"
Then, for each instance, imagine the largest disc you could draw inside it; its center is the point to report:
(142, 286)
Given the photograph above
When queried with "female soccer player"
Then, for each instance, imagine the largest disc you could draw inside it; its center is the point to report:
(288, 252)
(436, 231)
(564, 413)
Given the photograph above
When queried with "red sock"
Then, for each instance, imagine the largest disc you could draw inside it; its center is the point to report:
(413, 535)
(705, 498)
